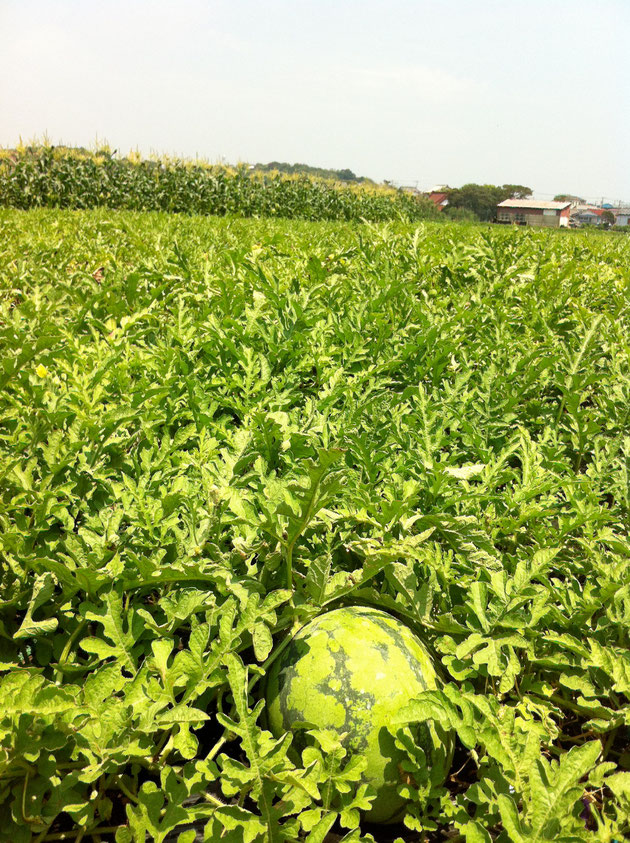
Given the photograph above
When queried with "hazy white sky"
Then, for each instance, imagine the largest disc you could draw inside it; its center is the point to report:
(430, 91)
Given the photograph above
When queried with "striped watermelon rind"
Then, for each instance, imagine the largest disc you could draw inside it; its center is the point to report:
(352, 670)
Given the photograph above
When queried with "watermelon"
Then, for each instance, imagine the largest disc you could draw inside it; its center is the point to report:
(352, 670)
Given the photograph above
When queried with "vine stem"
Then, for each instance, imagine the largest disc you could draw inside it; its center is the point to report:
(560, 701)
(222, 740)
(123, 787)
(67, 650)
(289, 559)
(162, 742)
(214, 800)
(25, 817)
(274, 655)
(166, 751)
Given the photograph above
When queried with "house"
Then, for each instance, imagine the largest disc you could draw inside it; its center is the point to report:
(587, 215)
(622, 216)
(534, 212)
(440, 200)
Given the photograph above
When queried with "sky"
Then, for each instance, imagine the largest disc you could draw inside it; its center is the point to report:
(425, 92)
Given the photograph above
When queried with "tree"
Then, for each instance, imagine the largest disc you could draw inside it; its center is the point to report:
(460, 214)
(568, 197)
(482, 199)
(517, 191)
(338, 175)
(608, 218)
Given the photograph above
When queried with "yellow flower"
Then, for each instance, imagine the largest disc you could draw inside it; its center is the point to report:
(41, 371)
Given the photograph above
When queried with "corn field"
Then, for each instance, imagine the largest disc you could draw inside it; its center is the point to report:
(60, 177)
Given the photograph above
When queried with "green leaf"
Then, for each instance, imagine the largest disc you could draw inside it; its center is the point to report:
(262, 640)
(464, 472)
(319, 832)
(43, 589)
(123, 629)
(555, 787)
(474, 832)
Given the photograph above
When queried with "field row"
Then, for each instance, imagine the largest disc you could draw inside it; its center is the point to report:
(213, 431)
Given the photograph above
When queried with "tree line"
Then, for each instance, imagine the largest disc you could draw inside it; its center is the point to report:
(479, 201)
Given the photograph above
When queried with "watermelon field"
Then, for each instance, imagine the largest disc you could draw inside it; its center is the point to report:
(214, 431)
